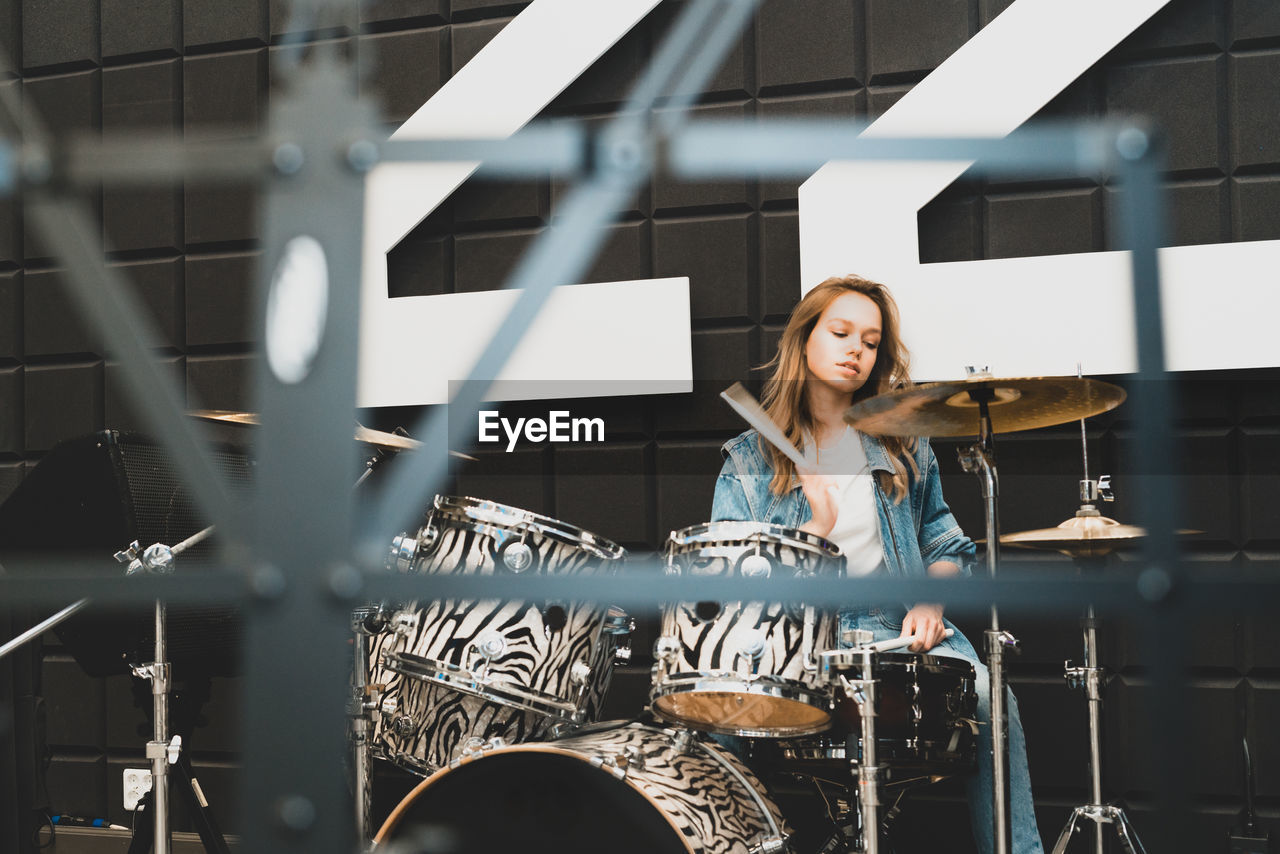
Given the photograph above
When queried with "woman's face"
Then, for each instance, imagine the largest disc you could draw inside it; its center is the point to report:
(841, 350)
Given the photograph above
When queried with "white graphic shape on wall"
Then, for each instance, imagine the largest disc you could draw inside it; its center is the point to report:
(1025, 316)
(412, 347)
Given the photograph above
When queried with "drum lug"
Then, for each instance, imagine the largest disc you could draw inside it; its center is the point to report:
(404, 623)
(752, 649)
(389, 706)
(476, 746)
(515, 556)
(490, 645)
(622, 655)
(580, 673)
(682, 740)
(770, 845)
(403, 725)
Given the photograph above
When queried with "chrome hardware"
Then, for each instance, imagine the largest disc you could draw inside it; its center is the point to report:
(491, 645)
(1096, 490)
(517, 557)
(389, 706)
(404, 550)
(404, 622)
(755, 566)
(402, 725)
(856, 637)
(752, 644)
(770, 845)
(974, 373)
(158, 558)
(666, 648)
(622, 655)
(475, 745)
(681, 740)
(580, 673)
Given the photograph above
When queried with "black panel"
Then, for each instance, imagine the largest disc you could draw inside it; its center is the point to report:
(687, 479)
(513, 204)
(1254, 19)
(220, 299)
(810, 42)
(219, 216)
(1253, 95)
(625, 255)
(473, 8)
(1182, 24)
(517, 479)
(732, 77)
(951, 227)
(118, 412)
(1043, 224)
(78, 785)
(136, 98)
(610, 78)
(10, 314)
(1181, 96)
(908, 37)
(482, 262)
(833, 105)
(12, 425)
(1260, 449)
(420, 265)
(10, 473)
(670, 194)
(225, 93)
(52, 321)
(466, 40)
(592, 484)
(716, 256)
(220, 382)
(75, 704)
(720, 357)
(158, 285)
(10, 231)
(408, 68)
(779, 264)
(62, 33)
(10, 37)
(388, 12)
(229, 21)
(141, 26)
(1256, 214)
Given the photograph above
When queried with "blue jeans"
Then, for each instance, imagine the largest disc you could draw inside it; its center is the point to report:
(885, 624)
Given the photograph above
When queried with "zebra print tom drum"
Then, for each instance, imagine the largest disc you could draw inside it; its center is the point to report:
(745, 668)
(624, 789)
(457, 671)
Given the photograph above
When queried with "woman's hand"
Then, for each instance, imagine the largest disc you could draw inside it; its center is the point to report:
(822, 493)
(925, 622)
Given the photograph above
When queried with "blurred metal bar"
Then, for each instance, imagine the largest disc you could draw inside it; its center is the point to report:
(561, 149)
(1140, 228)
(796, 147)
(560, 256)
(308, 302)
(1027, 587)
(141, 159)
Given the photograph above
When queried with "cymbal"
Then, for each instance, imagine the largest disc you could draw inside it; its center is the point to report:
(1082, 536)
(948, 409)
(367, 435)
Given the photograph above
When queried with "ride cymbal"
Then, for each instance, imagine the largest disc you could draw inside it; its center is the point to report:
(951, 408)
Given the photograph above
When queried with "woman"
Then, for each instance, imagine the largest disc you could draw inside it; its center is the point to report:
(878, 498)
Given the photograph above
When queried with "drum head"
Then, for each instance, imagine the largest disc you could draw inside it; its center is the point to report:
(530, 801)
(741, 713)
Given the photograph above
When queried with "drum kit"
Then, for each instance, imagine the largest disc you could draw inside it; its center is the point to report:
(496, 704)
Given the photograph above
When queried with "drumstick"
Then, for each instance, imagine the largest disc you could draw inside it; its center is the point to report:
(753, 413)
(897, 643)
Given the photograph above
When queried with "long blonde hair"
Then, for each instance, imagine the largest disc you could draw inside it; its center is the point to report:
(785, 393)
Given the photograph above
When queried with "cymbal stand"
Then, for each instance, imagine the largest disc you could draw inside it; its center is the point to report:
(979, 459)
(364, 702)
(863, 692)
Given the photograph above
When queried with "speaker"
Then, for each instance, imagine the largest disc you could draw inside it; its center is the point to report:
(97, 494)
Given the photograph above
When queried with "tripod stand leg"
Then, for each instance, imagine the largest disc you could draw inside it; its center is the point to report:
(1127, 835)
(1064, 837)
(144, 829)
(198, 808)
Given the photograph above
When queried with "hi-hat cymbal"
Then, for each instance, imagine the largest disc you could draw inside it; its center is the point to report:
(950, 409)
(367, 435)
(1082, 536)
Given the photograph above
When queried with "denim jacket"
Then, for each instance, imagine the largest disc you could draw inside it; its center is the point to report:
(915, 533)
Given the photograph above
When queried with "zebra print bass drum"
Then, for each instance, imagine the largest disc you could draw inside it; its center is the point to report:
(745, 668)
(624, 789)
(458, 672)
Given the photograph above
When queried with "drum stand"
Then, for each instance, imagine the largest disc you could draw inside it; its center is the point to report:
(1091, 678)
(980, 459)
(364, 702)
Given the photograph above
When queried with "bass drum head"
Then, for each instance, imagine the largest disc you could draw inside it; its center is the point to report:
(622, 788)
(529, 801)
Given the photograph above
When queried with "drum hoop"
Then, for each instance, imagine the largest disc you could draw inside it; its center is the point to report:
(760, 686)
(486, 516)
(533, 747)
(460, 679)
(947, 664)
(748, 533)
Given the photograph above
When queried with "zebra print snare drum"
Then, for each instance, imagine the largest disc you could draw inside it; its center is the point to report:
(744, 668)
(452, 671)
(624, 789)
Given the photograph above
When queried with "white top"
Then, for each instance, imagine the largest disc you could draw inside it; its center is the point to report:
(857, 528)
